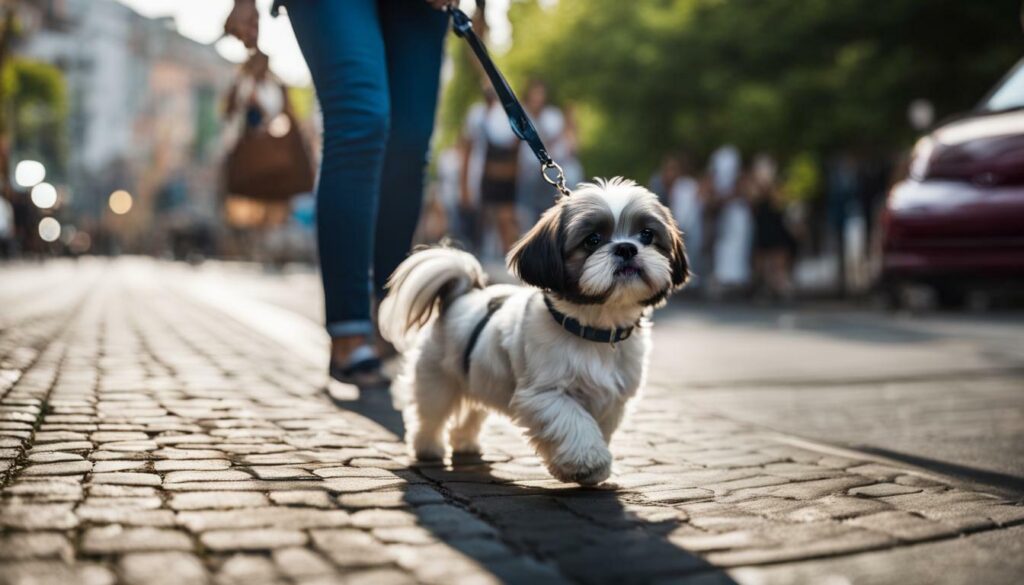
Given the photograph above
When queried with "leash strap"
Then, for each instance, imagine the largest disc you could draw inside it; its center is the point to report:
(520, 122)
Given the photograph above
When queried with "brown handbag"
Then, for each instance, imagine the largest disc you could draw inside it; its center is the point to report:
(270, 167)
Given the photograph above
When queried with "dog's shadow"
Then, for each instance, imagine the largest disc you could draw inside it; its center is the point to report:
(521, 526)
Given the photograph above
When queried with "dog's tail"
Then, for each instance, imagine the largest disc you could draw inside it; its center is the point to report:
(424, 280)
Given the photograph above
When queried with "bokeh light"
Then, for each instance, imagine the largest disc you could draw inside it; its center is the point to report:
(44, 196)
(120, 202)
(49, 229)
(29, 173)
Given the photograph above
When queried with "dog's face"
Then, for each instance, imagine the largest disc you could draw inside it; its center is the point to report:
(610, 242)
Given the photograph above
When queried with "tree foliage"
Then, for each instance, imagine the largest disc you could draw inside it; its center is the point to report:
(38, 105)
(783, 76)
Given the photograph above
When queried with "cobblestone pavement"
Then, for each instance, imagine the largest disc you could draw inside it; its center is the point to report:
(148, 437)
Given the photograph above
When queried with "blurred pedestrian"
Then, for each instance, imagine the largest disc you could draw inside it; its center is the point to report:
(473, 145)
(687, 205)
(376, 68)
(774, 243)
(664, 178)
(534, 194)
(6, 227)
(498, 181)
(733, 237)
(267, 164)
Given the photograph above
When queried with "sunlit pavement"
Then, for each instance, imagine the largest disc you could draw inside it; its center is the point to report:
(166, 424)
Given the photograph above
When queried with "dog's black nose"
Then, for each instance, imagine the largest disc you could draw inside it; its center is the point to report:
(625, 250)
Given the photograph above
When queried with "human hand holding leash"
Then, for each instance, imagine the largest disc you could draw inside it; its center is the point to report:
(244, 23)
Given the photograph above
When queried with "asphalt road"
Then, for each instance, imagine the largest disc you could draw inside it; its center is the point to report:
(940, 391)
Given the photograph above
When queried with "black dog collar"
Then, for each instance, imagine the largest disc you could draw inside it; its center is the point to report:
(589, 333)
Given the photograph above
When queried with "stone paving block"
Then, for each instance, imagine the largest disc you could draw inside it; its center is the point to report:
(191, 465)
(332, 472)
(59, 436)
(252, 539)
(246, 569)
(55, 572)
(361, 484)
(350, 548)
(251, 485)
(204, 476)
(119, 456)
(121, 491)
(200, 521)
(904, 526)
(24, 516)
(675, 496)
(114, 436)
(133, 502)
(163, 568)
(29, 545)
(188, 454)
(309, 499)
(277, 472)
(383, 518)
(111, 466)
(879, 490)
(54, 457)
(126, 478)
(832, 507)
(378, 577)
(298, 563)
(129, 516)
(115, 539)
(56, 489)
(705, 542)
(62, 468)
(806, 490)
(448, 520)
(62, 446)
(216, 500)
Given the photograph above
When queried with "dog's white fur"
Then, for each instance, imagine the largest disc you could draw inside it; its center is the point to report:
(568, 393)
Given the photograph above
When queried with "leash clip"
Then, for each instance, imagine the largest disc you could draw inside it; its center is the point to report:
(557, 180)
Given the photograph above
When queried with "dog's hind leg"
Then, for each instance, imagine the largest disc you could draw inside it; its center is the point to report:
(465, 433)
(434, 400)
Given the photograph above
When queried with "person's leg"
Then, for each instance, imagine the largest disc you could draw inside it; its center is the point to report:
(344, 49)
(508, 226)
(413, 41)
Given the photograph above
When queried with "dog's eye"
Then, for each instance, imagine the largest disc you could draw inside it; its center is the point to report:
(592, 241)
(646, 236)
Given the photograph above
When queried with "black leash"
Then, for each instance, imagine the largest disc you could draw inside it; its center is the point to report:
(520, 122)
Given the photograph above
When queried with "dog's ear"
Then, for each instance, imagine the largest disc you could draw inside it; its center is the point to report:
(679, 262)
(537, 258)
(677, 256)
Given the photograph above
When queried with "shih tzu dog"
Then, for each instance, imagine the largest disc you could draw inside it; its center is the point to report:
(561, 357)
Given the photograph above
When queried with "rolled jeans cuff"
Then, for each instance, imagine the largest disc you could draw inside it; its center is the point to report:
(348, 328)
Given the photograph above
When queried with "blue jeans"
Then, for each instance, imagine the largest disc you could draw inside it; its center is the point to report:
(376, 67)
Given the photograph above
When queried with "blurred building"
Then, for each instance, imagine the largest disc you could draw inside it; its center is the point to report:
(144, 115)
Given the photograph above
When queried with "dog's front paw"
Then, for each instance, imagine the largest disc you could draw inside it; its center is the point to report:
(589, 467)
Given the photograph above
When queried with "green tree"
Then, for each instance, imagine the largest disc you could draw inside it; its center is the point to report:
(38, 106)
(788, 77)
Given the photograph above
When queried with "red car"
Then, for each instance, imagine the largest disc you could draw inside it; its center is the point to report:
(957, 221)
